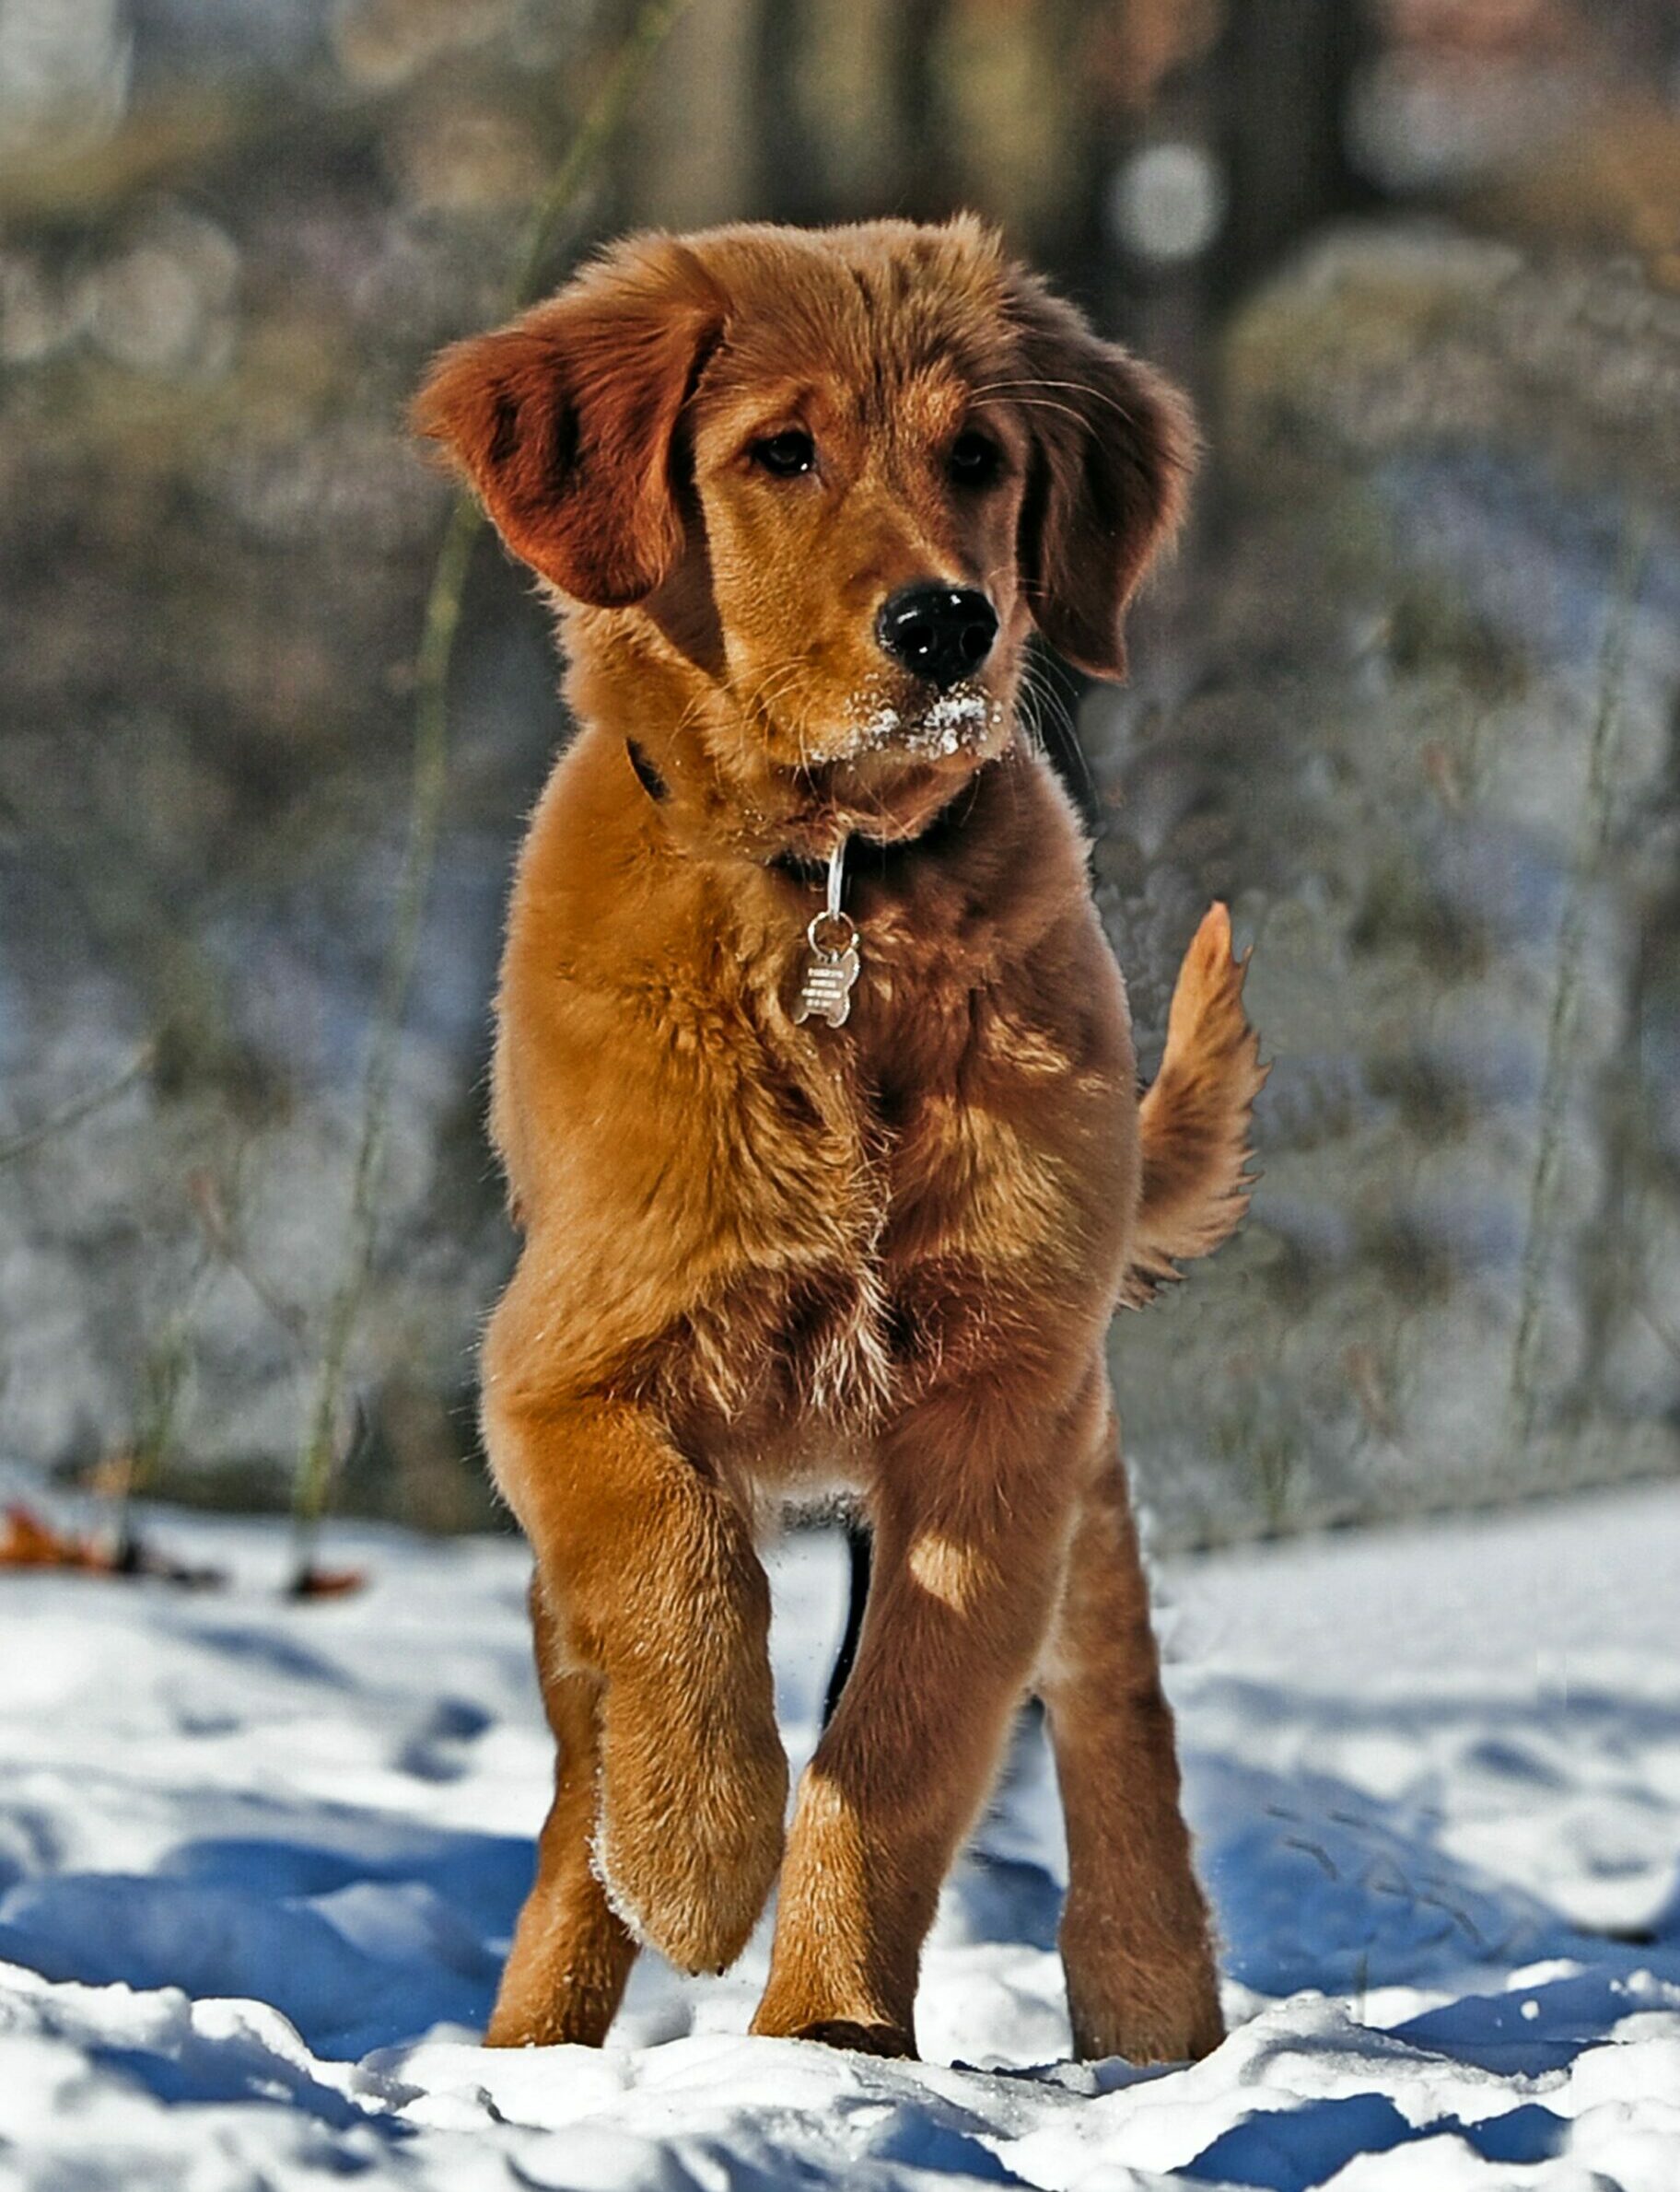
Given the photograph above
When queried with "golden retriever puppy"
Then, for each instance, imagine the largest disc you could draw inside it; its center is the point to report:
(815, 1090)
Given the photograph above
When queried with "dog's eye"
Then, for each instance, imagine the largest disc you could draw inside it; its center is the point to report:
(974, 460)
(785, 455)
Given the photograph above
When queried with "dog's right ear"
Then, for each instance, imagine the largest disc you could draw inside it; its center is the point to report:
(564, 421)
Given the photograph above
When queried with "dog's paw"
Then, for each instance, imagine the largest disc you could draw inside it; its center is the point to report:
(842, 2031)
(1142, 1982)
(689, 1836)
(1146, 2011)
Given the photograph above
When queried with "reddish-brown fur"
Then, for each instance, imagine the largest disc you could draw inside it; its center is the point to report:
(762, 1257)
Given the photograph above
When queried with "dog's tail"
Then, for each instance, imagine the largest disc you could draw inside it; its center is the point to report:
(1195, 1120)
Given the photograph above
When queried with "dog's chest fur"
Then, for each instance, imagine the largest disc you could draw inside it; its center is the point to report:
(901, 1179)
(779, 1234)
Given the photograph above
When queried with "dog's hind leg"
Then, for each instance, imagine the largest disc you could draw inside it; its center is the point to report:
(571, 1952)
(1134, 1934)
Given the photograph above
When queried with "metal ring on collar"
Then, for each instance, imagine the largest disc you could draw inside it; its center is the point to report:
(826, 920)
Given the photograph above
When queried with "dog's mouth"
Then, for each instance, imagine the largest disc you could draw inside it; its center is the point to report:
(895, 728)
(963, 720)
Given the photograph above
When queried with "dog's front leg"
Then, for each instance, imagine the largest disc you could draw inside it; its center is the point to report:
(971, 1517)
(657, 1596)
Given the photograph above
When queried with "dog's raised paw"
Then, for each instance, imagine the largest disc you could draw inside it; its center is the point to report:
(689, 1836)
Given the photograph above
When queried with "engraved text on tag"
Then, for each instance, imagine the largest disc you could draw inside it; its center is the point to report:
(827, 991)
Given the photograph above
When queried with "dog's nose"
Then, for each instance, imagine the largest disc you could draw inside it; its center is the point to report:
(943, 633)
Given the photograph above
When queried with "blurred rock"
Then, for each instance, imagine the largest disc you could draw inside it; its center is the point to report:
(64, 72)
(1446, 571)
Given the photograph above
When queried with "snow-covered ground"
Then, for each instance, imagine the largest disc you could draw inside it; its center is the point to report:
(259, 1862)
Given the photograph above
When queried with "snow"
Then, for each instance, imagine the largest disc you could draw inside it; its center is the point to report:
(258, 1862)
(956, 720)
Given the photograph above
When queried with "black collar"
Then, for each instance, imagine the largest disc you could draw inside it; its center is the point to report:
(867, 856)
(881, 857)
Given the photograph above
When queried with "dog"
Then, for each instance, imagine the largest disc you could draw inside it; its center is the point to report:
(815, 1093)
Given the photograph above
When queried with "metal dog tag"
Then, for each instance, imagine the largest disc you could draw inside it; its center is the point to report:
(831, 972)
(827, 991)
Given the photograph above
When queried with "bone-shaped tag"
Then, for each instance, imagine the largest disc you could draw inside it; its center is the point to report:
(827, 991)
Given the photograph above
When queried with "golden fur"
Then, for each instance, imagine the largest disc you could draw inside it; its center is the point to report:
(761, 1256)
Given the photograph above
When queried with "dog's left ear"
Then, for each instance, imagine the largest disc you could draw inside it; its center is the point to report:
(1114, 448)
(565, 421)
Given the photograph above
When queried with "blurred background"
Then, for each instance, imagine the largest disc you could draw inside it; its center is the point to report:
(1408, 698)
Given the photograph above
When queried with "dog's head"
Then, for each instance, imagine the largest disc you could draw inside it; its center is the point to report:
(839, 472)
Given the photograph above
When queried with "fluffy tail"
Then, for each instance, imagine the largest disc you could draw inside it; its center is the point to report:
(1195, 1120)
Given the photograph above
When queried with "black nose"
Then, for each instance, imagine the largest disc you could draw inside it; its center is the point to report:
(943, 633)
